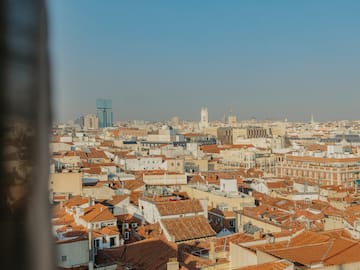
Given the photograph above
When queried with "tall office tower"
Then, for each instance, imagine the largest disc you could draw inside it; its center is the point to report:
(312, 121)
(204, 118)
(104, 112)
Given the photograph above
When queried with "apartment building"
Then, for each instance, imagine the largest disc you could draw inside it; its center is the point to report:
(324, 170)
(229, 135)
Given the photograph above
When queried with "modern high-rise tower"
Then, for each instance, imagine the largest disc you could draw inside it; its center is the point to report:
(204, 118)
(104, 112)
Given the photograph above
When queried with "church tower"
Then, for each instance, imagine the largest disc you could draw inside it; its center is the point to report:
(204, 118)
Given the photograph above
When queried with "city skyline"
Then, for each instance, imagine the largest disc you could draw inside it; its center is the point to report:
(157, 60)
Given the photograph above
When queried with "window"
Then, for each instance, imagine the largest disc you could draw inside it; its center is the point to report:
(63, 258)
(112, 241)
(97, 243)
(134, 225)
(126, 235)
(232, 223)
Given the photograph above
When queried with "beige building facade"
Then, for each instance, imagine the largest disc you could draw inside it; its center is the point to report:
(66, 183)
(91, 121)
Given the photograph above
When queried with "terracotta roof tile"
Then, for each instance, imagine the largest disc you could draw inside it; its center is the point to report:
(135, 196)
(306, 248)
(133, 184)
(187, 228)
(179, 207)
(117, 199)
(225, 214)
(152, 254)
(75, 201)
(109, 230)
(97, 212)
(277, 265)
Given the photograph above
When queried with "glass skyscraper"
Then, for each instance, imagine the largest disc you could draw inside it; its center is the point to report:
(104, 112)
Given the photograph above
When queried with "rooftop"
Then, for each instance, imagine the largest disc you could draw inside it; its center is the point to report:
(187, 228)
(179, 207)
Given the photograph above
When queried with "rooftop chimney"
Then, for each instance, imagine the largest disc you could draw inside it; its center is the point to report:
(172, 264)
(212, 253)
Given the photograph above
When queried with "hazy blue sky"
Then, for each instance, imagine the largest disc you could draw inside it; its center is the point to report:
(157, 59)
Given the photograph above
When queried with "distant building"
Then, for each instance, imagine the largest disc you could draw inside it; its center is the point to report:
(165, 134)
(104, 112)
(91, 121)
(232, 120)
(79, 121)
(204, 118)
(230, 135)
(153, 211)
(175, 120)
(325, 170)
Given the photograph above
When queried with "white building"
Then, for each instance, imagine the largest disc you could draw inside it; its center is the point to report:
(73, 252)
(153, 211)
(204, 118)
(165, 179)
(165, 134)
(228, 185)
(144, 163)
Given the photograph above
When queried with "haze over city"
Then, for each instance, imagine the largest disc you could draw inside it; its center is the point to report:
(200, 135)
(156, 59)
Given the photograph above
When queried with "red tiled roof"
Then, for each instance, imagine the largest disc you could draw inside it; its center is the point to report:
(149, 230)
(132, 184)
(75, 201)
(135, 196)
(187, 228)
(329, 248)
(64, 220)
(128, 218)
(179, 207)
(97, 212)
(276, 185)
(109, 230)
(151, 254)
(277, 265)
(197, 179)
(225, 214)
(96, 154)
(81, 154)
(117, 198)
(211, 148)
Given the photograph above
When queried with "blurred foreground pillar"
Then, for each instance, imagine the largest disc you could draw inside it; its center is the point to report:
(24, 138)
